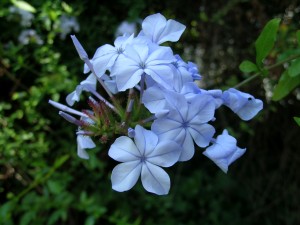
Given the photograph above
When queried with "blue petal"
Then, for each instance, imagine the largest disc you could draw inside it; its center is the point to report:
(172, 32)
(84, 142)
(179, 104)
(122, 41)
(162, 74)
(73, 96)
(124, 150)
(101, 64)
(201, 109)
(145, 140)
(127, 73)
(237, 154)
(250, 109)
(243, 104)
(202, 134)
(187, 144)
(104, 50)
(154, 99)
(155, 179)
(153, 26)
(167, 127)
(161, 55)
(165, 154)
(125, 175)
(138, 53)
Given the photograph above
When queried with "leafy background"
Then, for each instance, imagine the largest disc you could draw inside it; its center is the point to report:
(42, 181)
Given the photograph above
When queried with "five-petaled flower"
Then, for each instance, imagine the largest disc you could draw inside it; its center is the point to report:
(143, 157)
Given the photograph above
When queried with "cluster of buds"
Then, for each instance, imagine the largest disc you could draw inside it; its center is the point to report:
(164, 115)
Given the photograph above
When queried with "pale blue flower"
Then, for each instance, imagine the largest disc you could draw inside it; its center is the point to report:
(30, 36)
(89, 83)
(159, 30)
(139, 60)
(68, 24)
(181, 73)
(126, 28)
(83, 143)
(26, 16)
(243, 104)
(106, 55)
(155, 101)
(144, 157)
(186, 122)
(224, 151)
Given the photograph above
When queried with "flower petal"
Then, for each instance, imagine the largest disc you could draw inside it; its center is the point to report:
(162, 74)
(202, 134)
(202, 108)
(145, 140)
(237, 154)
(172, 31)
(153, 26)
(84, 142)
(250, 109)
(154, 99)
(124, 150)
(127, 73)
(125, 175)
(165, 154)
(187, 145)
(169, 127)
(155, 179)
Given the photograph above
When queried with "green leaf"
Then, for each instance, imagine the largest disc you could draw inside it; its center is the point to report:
(90, 221)
(24, 5)
(294, 68)
(265, 41)
(285, 85)
(297, 119)
(66, 7)
(298, 37)
(61, 160)
(247, 67)
(55, 187)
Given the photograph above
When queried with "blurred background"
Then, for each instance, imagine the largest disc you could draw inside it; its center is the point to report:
(42, 181)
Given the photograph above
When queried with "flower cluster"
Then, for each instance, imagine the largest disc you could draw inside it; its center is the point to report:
(166, 113)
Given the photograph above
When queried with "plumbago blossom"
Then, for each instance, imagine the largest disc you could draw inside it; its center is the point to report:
(166, 115)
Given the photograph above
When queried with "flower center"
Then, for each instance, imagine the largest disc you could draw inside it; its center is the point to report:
(175, 64)
(185, 125)
(120, 50)
(142, 65)
(143, 158)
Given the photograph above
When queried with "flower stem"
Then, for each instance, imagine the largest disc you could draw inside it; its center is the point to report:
(288, 59)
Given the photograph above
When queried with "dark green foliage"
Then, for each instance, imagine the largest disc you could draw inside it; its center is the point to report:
(42, 181)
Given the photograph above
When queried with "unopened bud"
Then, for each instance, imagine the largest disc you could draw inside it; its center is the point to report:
(81, 52)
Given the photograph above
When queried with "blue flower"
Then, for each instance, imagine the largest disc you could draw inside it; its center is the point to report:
(84, 142)
(144, 157)
(243, 104)
(186, 122)
(224, 151)
(106, 55)
(180, 73)
(159, 30)
(139, 59)
(89, 83)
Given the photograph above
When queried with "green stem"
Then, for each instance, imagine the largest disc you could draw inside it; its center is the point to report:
(267, 68)
(40, 180)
